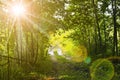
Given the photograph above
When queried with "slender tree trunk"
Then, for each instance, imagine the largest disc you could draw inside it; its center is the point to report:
(37, 47)
(32, 49)
(97, 24)
(119, 41)
(8, 62)
(104, 25)
(89, 41)
(8, 67)
(95, 37)
(21, 44)
(115, 41)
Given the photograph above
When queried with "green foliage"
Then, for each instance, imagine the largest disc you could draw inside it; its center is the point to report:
(69, 48)
(74, 26)
(102, 69)
(76, 71)
(66, 77)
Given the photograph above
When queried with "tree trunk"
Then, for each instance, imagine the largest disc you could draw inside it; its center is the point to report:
(105, 39)
(115, 42)
(97, 25)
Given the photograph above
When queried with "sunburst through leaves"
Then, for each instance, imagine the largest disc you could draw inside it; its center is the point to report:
(21, 20)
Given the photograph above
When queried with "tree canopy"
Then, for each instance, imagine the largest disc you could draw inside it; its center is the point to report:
(59, 39)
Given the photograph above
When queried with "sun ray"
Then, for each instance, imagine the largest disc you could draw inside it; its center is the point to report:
(28, 14)
(15, 9)
(9, 33)
(20, 37)
(11, 29)
(31, 30)
(36, 26)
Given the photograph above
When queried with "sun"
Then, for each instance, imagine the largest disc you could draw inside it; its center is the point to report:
(18, 10)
